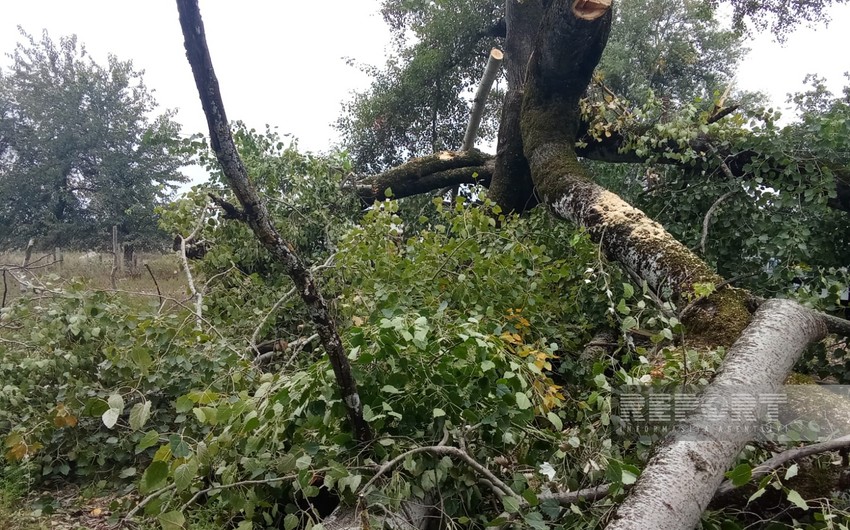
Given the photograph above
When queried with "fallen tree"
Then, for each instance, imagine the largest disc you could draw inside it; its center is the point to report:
(552, 50)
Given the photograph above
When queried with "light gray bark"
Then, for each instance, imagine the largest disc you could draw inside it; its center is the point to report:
(687, 467)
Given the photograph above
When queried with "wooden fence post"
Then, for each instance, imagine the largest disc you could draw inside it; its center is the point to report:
(26, 262)
(116, 259)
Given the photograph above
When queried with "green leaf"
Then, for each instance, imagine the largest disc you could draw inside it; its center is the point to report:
(173, 520)
(429, 480)
(116, 402)
(439, 413)
(184, 474)
(759, 492)
(628, 477)
(530, 497)
(352, 481)
(797, 500)
(139, 415)
(555, 420)
(740, 475)
(522, 401)
(287, 462)
(511, 504)
(150, 439)
(127, 472)
(303, 462)
(389, 389)
(184, 404)
(154, 477)
(141, 358)
(290, 521)
(179, 447)
(791, 472)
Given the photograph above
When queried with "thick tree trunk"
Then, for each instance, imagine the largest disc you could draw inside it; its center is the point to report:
(568, 48)
(687, 467)
(511, 186)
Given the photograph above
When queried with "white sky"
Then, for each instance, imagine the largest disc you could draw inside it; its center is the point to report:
(281, 61)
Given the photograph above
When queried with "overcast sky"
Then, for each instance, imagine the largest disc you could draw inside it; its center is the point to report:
(282, 61)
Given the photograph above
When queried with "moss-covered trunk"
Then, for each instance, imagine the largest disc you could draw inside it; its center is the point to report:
(568, 48)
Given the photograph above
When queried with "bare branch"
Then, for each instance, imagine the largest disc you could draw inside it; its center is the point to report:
(501, 489)
(706, 222)
(785, 457)
(257, 214)
(427, 173)
(158, 292)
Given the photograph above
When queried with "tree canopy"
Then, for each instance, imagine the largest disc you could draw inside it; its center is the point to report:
(82, 149)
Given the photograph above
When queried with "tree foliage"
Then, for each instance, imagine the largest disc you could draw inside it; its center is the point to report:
(675, 48)
(418, 102)
(81, 148)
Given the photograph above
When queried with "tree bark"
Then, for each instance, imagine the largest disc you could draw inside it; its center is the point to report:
(511, 186)
(688, 465)
(257, 215)
(427, 173)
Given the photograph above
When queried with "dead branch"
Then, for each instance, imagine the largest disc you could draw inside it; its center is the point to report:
(156, 284)
(721, 113)
(197, 295)
(501, 489)
(791, 455)
(231, 211)
(257, 214)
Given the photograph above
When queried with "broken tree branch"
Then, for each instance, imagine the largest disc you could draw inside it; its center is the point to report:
(156, 284)
(785, 457)
(196, 295)
(687, 467)
(427, 173)
(257, 214)
(490, 73)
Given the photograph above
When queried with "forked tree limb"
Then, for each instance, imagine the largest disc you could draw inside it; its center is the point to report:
(257, 214)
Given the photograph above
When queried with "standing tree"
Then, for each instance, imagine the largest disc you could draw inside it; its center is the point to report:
(80, 149)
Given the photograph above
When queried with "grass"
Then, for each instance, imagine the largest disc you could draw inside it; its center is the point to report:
(95, 270)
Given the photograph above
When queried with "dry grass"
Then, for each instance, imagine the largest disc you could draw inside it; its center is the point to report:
(95, 270)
